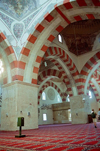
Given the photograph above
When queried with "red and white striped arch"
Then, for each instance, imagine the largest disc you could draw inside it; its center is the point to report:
(52, 51)
(94, 91)
(70, 66)
(96, 75)
(95, 80)
(48, 29)
(63, 95)
(55, 73)
(9, 59)
(60, 68)
(50, 72)
(47, 84)
(88, 67)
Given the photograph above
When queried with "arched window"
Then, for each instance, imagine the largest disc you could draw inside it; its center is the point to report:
(43, 96)
(58, 98)
(60, 38)
(44, 117)
(68, 100)
(90, 94)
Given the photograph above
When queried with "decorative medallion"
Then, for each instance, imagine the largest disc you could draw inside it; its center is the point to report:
(18, 29)
(51, 94)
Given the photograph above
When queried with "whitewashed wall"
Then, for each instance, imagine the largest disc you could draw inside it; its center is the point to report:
(49, 112)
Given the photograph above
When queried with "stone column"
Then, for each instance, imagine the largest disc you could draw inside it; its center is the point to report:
(80, 108)
(19, 99)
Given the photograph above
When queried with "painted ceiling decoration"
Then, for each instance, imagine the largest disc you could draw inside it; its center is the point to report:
(17, 8)
(16, 16)
(80, 36)
(18, 29)
(51, 94)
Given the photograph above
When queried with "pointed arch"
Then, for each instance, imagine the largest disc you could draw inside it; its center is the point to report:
(49, 83)
(68, 68)
(8, 57)
(92, 62)
(45, 32)
(94, 90)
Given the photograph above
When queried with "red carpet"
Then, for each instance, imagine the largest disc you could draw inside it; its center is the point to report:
(58, 137)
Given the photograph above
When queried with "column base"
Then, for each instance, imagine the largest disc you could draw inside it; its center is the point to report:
(18, 136)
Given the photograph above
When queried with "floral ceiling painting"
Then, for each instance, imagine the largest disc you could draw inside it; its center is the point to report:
(18, 8)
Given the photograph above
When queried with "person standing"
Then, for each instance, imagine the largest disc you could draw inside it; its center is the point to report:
(99, 115)
(94, 118)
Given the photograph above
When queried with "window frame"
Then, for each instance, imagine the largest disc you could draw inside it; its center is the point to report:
(61, 38)
(44, 118)
(43, 96)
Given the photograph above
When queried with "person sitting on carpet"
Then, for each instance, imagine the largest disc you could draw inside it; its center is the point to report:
(94, 117)
(99, 115)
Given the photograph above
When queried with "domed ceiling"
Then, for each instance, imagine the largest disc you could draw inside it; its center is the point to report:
(80, 36)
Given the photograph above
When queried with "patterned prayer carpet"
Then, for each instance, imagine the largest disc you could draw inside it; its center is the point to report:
(58, 137)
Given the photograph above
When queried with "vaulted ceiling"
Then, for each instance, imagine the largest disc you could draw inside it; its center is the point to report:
(21, 20)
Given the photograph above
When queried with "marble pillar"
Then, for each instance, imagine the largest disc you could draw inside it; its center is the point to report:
(80, 108)
(19, 99)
